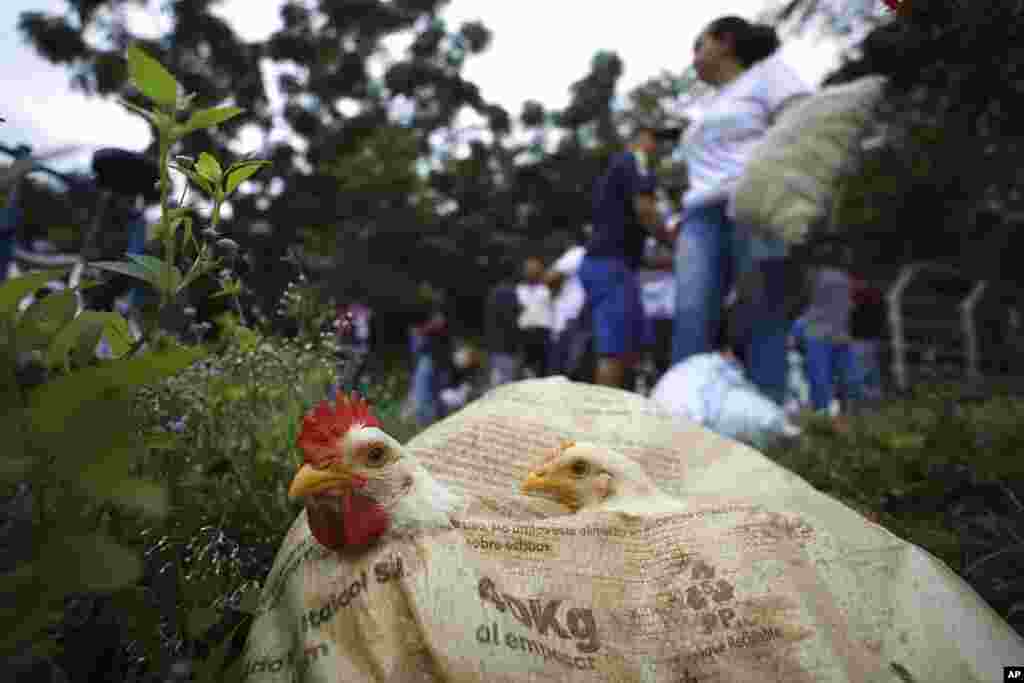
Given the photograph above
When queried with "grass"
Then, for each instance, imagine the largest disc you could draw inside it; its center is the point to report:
(898, 465)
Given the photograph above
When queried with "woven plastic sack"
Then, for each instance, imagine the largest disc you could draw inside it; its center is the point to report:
(794, 170)
(760, 579)
(712, 391)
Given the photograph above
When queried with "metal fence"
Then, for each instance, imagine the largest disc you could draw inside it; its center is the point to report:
(942, 323)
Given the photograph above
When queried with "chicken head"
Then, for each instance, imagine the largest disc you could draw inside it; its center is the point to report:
(350, 476)
(585, 476)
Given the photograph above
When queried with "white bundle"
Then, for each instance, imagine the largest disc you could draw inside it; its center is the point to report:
(794, 171)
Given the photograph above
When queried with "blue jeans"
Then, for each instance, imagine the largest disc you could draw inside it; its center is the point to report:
(868, 371)
(712, 253)
(425, 390)
(824, 361)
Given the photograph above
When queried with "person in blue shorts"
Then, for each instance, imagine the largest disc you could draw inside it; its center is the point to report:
(625, 213)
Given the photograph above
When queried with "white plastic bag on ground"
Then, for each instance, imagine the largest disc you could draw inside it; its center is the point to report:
(762, 579)
(712, 391)
(795, 168)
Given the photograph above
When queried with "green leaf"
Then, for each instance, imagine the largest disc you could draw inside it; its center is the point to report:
(125, 268)
(42, 321)
(200, 620)
(118, 334)
(206, 118)
(13, 291)
(158, 269)
(88, 435)
(250, 601)
(197, 179)
(14, 462)
(160, 441)
(89, 562)
(151, 78)
(84, 331)
(239, 173)
(209, 168)
(107, 479)
(52, 404)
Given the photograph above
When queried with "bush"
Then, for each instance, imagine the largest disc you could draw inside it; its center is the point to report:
(940, 468)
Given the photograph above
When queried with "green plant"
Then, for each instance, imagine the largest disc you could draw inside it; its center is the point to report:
(304, 304)
(207, 174)
(65, 437)
(68, 447)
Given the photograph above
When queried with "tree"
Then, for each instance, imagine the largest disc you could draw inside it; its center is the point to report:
(950, 137)
(423, 194)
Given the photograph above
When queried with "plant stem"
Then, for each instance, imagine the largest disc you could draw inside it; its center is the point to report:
(165, 224)
(215, 216)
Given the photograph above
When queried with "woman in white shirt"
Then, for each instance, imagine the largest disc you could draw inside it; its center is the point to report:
(712, 252)
(537, 316)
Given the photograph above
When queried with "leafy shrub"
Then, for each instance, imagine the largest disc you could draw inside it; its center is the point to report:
(73, 458)
(941, 469)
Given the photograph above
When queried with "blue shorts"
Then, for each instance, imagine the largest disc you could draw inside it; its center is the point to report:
(620, 326)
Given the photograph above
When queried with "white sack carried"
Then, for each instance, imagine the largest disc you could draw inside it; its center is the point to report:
(794, 170)
(762, 578)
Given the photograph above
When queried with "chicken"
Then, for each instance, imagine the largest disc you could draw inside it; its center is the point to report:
(359, 484)
(586, 477)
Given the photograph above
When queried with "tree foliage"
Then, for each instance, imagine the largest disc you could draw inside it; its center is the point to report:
(943, 183)
(380, 169)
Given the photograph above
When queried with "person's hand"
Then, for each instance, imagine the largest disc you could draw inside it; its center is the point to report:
(668, 233)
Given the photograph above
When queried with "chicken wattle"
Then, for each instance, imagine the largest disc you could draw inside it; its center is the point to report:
(358, 483)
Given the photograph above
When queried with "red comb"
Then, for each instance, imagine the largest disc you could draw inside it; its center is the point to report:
(324, 426)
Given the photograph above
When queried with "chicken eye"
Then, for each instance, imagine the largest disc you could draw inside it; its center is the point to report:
(579, 468)
(376, 455)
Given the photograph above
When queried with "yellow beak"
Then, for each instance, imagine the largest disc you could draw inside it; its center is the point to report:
(309, 481)
(534, 482)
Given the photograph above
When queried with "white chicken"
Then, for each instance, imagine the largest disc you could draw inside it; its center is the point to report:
(359, 484)
(587, 477)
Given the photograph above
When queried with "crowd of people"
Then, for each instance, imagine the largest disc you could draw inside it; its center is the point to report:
(662, 296)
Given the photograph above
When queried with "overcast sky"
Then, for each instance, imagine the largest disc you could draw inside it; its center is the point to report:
(539, 48)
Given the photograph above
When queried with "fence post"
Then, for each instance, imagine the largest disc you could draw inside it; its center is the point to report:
(894, 297)
(970, 330)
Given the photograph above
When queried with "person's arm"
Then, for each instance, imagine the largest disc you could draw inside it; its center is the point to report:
(646, 207)
(642, 187)
(554, 280)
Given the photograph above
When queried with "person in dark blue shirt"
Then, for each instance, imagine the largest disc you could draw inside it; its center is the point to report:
(625, 213)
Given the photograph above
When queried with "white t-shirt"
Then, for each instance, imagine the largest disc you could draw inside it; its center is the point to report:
(657, 293)
(536, 303)
(657, 288)
(571, 297)
(718, 143)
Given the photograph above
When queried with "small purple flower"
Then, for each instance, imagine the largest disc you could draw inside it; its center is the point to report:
(178, 426)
